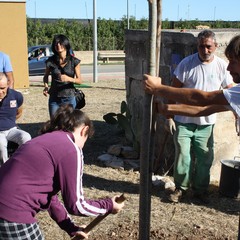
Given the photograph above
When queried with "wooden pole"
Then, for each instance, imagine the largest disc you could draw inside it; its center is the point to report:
(98, 219)
(158, 40)
(145, 161)
(239, 227)
(156, 34)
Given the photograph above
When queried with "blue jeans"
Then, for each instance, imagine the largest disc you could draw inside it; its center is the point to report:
(189, 173)
(55, 102)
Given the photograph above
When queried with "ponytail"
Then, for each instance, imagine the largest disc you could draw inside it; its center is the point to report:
(67, 119)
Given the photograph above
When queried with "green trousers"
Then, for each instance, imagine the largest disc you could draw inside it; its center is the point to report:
(193, 140)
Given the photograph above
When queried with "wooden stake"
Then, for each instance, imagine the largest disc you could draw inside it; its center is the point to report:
(98, 219)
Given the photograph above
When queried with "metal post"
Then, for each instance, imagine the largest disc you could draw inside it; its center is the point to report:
(127, 15)
(95, 76)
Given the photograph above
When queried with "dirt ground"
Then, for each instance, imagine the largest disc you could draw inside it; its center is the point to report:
(186, 220)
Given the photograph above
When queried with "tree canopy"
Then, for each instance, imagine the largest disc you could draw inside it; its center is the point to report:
(110, 32)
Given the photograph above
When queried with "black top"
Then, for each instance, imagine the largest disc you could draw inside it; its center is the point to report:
(58, 88)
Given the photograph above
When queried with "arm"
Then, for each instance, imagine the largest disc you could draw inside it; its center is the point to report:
(189, 110)
(176, 83)
(10, 79)
(169, 122)
(183, 95)
(45, 81)
(59, 214)
(77, 79)
(70, 174)
(19, 112)
(8, 70)
(229, 86)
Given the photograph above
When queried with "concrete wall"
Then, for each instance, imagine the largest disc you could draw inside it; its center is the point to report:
(13, 31)
(174, 46)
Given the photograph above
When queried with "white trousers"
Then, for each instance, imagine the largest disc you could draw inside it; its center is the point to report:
(15, 135)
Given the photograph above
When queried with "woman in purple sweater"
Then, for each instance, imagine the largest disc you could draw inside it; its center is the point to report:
(44, 166)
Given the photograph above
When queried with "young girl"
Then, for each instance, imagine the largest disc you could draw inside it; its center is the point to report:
(65, 71)
(46, 165)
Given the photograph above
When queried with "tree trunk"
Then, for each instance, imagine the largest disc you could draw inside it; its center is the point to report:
(147, 143)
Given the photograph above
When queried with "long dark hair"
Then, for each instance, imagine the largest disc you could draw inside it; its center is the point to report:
(67, 119)
(64, 41)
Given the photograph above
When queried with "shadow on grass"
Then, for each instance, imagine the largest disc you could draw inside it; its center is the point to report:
(99, 183)
(32, 128)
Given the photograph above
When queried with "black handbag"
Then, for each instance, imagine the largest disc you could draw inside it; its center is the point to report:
(80, 98)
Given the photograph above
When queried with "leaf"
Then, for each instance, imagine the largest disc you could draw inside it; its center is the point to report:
(124, 107)
(110, 118)
(125, 125)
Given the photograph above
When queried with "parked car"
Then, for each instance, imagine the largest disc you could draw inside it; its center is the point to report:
(37, 56)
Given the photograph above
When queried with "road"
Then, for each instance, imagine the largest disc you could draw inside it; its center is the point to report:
(103, 72)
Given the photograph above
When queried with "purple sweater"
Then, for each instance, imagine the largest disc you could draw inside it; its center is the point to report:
(39, 169)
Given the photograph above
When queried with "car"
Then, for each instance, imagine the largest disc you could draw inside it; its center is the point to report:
(37, 56)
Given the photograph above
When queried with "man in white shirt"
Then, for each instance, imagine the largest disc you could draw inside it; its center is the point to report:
(205, 71)
(195, 102)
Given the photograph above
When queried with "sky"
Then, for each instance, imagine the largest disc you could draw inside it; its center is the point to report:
(172, 10)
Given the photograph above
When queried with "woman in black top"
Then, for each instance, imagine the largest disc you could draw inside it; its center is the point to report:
(65, 71)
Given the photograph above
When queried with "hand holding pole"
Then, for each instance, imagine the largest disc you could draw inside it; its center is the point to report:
(98, 219)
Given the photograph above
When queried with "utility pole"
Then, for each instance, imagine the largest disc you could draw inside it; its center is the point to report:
(95, 75)
(127, 15)
(86, 10)
(214, 15)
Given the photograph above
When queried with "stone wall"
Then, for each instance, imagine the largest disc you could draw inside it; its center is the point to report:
(174, 46)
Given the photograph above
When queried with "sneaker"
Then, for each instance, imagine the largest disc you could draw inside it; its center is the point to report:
(175, 196)
(202, 197)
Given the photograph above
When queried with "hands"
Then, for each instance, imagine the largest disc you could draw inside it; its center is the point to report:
(81, 234)
(117, 205)
(64, 78)
(151, 83)
(237, 125)
(170, 125)
(45, 91)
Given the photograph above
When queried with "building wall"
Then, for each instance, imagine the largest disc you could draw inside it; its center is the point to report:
(174, 46)
(13, 32)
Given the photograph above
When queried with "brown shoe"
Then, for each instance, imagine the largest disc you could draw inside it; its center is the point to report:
(176, 196)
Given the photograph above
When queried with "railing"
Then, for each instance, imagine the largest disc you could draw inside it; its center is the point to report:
(113, 56)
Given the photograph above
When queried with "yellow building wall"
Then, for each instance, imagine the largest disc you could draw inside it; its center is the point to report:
(13, 41)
